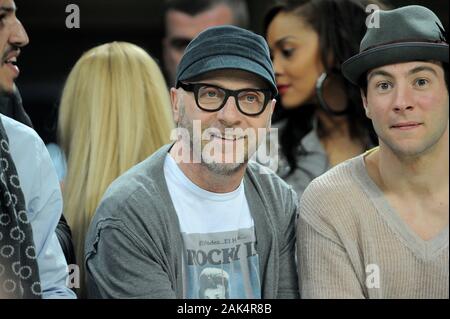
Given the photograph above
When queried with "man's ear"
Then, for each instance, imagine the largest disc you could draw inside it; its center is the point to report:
(175, 99)
(365, 105)
(272, 106)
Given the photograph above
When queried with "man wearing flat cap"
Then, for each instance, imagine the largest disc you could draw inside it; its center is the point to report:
(376, 226)
(199, 203)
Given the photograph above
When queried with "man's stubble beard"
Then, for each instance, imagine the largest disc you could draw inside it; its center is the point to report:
(223, 169)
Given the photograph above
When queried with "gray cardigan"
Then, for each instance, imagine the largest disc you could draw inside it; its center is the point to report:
(134, 245)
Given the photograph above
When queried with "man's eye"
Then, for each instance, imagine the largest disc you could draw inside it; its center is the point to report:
(179, 44)
(209, 93)
(383, 86)
(251, 98)
(421, 82)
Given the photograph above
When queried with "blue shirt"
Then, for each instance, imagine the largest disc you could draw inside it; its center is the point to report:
(43, 200)
(58, 159)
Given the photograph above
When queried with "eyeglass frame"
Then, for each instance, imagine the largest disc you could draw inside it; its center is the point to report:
(195, 87)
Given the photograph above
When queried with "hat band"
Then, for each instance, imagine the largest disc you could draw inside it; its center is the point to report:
(412, 40)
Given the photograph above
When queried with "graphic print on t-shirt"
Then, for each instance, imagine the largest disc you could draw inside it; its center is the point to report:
(222, 265)
(219, 257)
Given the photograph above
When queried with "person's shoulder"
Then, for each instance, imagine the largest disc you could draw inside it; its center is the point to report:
(268, 178)
(132, 203)
(138, 186)
(337, 179)
(335, 192)
(279, 196)
(16, 130)
(24, 143)
(135, 182)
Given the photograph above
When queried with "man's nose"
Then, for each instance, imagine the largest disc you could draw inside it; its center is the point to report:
(19, 36)
(229, 113)
(403, 100)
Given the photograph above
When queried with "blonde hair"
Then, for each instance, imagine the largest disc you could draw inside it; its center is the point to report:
(115, 111)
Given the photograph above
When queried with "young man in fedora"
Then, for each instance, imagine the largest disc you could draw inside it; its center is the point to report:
(376, 226)
(165, 221)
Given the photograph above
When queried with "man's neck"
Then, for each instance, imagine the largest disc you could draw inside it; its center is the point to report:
(204, 178)
(423, 176)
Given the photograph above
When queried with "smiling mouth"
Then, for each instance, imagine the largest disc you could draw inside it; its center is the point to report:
(228, 138)
(12, 61)
(10, 56)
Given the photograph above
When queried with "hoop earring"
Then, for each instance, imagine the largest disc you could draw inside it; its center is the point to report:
(319, 93)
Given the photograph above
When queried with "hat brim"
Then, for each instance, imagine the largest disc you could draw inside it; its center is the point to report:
(224, 62)
(359, 64)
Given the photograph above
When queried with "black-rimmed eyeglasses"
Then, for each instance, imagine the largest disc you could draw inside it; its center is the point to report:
(212, 98)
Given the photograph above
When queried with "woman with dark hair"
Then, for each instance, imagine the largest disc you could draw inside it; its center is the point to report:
(322, 122)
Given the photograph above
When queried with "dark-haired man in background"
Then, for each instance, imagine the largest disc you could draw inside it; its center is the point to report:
(185, 19)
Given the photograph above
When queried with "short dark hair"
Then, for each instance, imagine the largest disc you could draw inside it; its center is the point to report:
(193, 7)
(211, 278)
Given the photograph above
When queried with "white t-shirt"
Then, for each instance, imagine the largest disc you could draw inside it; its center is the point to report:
(219, 258)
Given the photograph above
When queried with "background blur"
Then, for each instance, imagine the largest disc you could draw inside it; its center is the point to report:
(54, 49)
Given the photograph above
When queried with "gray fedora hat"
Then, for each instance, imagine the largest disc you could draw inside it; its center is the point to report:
(227, 47)
(411, 33)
